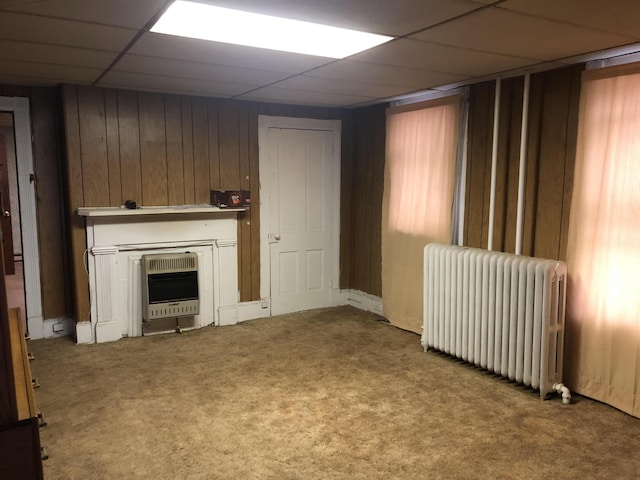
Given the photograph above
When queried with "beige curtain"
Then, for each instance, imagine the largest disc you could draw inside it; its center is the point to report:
(417, 201)
(603, 256)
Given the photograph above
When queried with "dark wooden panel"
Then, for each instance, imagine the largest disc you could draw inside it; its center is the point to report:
(187, 150)
(502, 166)
(93, 146)
(5, 203)
(229, 152)
(8, 406)
(129, 132)
(52, 218)
(20, 455)
(378, 142)
(536, 95)
(478, 161)
(572, 138)
(153, 149)
(200, 150)
(513, 133)
(553, 146)
(76, 199)
(113, 148)
(254, 187)
(14, 91)
(244, 218)
(361, 247)
(214, 143)
(175, 164)
(346, 200)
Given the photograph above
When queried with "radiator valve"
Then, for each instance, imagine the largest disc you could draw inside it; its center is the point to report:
(564, 391)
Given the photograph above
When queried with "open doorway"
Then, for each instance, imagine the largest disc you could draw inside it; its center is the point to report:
(25, 207)
(10, 217)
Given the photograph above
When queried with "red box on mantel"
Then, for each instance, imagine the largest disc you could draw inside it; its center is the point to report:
(230, 198)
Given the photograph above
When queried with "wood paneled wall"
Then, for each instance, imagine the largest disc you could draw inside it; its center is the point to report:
(48, 161)
(168, 149)
(553, 115)
(364, 137)
(163, 149)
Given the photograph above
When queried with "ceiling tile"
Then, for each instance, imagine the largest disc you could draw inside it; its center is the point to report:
(188, 49)
(440, 58)
(621, 17)
(510, 33)
(196, 70)
(343, 87)
(412, 78)
(40, 53)
(48, 72)
(138, 81)
(303, 97)
(52, 31)
(110, 12)
(376, 16)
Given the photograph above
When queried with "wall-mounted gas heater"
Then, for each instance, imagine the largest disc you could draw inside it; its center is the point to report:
(170, 286)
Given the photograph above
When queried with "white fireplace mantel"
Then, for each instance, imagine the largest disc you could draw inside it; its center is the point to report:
(118, 237)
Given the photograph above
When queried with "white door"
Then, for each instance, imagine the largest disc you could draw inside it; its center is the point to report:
(300, 204)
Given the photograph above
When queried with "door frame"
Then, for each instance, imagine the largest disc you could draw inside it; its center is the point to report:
(266, 122)
(28, 219)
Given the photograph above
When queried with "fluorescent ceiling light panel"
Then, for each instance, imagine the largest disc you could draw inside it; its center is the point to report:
(207, 22)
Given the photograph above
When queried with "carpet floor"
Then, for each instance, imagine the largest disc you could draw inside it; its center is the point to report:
(324, 394)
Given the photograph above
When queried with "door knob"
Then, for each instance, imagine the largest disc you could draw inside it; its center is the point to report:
(6, 214)
(276, 237)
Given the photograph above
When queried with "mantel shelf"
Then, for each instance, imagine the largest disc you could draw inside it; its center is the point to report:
(159, 210)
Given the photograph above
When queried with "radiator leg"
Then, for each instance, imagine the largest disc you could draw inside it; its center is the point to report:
(566, 393)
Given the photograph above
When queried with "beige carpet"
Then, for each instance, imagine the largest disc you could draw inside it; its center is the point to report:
(325, 394)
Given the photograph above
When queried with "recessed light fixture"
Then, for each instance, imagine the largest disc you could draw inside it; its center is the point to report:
(208, 22)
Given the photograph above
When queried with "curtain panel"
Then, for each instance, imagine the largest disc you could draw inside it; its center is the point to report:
(417, 201)
(603, 254)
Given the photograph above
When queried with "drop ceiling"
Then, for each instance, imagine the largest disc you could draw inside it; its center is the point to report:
(437, 44)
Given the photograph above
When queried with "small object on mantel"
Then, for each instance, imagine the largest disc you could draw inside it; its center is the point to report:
(230, 198)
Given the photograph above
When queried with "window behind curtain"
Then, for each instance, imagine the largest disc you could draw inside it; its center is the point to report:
(417, 202)
(603, 256)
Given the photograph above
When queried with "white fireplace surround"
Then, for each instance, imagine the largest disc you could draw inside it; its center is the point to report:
(116, 240)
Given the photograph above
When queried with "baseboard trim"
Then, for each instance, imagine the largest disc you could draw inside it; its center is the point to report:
(228, 315)
(108, 331)
(251, 311)
(58, 327)
(84, 333)
(363, 301)
(35, 326)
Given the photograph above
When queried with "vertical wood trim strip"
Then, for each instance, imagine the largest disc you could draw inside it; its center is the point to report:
(244, 218)
(153, 153)
(129, 132)
(75, 192)
(52, 218)
(187, 150)
(113, 148)
(175, 162)
(570, 156)
(200, 151)
(254, 186)
(93, 147)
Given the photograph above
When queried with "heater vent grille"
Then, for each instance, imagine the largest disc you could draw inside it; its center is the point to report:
(171, 263)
